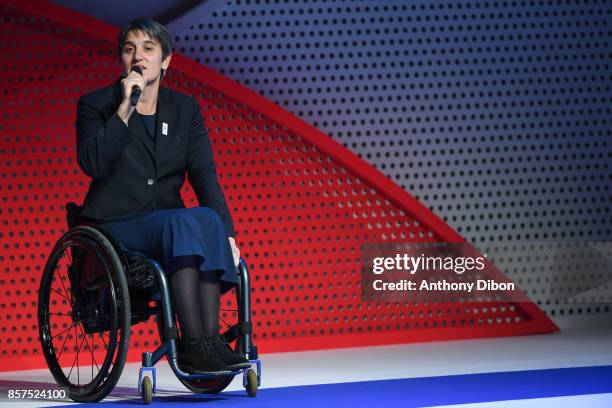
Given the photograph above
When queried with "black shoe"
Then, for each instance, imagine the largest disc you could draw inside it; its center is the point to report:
(197, 356)
(233, 360)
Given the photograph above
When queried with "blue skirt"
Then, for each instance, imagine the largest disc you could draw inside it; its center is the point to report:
(164, 235)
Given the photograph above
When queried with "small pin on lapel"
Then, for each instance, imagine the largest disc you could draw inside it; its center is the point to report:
(164, 128)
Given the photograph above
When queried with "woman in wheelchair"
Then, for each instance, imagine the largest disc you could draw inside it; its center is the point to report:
(137, 140)
(133, 250)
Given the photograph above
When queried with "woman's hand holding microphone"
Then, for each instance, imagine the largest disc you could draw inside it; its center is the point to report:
(126, 108)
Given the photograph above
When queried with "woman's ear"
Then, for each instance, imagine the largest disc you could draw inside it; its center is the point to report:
(164, 67)
(166, 62)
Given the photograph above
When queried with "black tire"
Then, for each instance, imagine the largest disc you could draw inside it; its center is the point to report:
(147, 390)
(83, 292)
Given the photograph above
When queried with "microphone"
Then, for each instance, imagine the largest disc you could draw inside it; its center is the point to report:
(136, 91)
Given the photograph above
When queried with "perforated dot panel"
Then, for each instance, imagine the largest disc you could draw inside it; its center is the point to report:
(301, 216)
(495, 114)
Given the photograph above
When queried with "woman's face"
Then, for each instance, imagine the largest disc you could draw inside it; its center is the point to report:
(145, 52)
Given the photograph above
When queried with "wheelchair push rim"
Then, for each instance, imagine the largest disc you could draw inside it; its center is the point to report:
(84, 315)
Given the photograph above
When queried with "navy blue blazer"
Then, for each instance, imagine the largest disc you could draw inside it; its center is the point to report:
(130, 172)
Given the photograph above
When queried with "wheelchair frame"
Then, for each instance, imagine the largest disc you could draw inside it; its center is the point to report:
(141, 273)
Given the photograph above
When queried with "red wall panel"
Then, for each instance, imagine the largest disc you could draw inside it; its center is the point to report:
(302, 204)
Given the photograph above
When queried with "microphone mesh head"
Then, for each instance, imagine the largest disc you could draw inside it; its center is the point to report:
(136, 68)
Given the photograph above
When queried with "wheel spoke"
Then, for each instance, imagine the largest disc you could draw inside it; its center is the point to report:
(62, 295)
(71, 368)
(66, 339)
(78, 369)
(102, 337)
(76, 357)
(88, 346)
(93, 342)
(64, 286)
(71, 262)
(63, 331)
(224, 321)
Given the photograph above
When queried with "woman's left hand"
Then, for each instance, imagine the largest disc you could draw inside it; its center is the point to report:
(235, 250)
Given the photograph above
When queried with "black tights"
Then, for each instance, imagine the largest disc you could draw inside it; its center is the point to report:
(195, 297)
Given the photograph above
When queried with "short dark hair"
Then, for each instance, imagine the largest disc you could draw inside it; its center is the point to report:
(150, 27)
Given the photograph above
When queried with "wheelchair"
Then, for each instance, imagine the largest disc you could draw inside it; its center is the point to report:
(90, 295)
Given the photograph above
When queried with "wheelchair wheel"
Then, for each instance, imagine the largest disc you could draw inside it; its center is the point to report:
(84, 314)
(228, 316)
(252, 383)
(147, 390)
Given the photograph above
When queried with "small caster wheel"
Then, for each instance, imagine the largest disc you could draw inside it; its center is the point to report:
(147, 390)
(252, 383)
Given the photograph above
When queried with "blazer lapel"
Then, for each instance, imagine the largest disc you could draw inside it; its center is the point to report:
(167, 114)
